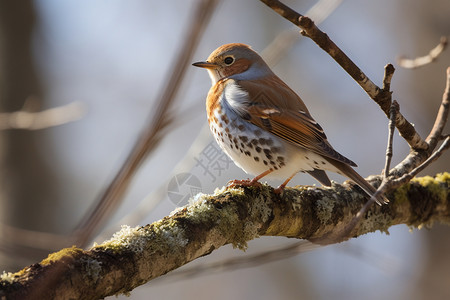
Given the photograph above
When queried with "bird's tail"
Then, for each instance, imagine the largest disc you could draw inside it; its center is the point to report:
(349, 172)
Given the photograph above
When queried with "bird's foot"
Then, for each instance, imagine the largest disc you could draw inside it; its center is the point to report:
(244, 182)
(280, 189)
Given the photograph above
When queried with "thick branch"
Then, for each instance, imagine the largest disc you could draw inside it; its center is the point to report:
(231, 216)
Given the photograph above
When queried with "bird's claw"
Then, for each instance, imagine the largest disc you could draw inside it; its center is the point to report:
(244, 182)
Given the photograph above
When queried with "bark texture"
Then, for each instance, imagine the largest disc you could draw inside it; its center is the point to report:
(134, 256)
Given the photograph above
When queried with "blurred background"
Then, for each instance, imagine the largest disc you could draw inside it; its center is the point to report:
(105, 64)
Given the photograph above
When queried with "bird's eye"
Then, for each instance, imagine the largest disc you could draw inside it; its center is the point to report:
(228, 60)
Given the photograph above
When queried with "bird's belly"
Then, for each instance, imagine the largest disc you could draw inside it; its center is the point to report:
(255, 150)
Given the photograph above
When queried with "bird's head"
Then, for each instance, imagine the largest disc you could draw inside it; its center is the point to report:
(236, 61)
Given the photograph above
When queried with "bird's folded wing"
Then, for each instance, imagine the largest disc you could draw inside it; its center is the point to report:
(287, 119)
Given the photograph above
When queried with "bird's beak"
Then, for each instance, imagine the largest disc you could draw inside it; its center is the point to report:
(205, 64)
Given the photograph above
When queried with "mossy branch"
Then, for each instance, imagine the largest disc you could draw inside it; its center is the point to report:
(234, 216)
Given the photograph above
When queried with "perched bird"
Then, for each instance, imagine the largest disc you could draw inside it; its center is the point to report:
(263, 125)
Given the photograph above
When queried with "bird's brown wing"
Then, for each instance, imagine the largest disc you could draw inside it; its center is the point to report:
(274, 107)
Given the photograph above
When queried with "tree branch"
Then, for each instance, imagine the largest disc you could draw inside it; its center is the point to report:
(424, 60)
(36, 120)
(231, 216)
(382, 96)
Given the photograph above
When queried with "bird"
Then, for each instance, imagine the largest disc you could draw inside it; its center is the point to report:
(264, 126)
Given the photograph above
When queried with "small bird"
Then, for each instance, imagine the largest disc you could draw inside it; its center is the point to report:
(264, 126)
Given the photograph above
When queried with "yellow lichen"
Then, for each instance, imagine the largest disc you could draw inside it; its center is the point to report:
(401, 194)
(434, 184)
(443, 177)
(56, 256)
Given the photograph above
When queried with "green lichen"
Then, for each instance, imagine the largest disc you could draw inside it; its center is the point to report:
(92, 268)
(222, 210)
(133, 239)
(171, 234)
(374, 222)
(324, 209)
(66, 252)
(162, 236)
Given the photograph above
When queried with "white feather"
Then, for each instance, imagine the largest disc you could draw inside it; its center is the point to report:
(236, 98)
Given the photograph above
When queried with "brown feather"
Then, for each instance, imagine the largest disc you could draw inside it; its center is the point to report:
(358, 179)
(281, 111)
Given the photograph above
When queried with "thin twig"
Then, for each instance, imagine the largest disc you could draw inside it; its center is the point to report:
(382, 97)
(415, 159)
(407, 177)
(284, 41)
(152, 134)
(424, 60)
(36, 120)
(442, 115)
(387, 78)
(388, 184)
(389, 149)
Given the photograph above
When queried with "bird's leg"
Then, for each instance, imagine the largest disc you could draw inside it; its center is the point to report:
(248, 182)
(281, 187)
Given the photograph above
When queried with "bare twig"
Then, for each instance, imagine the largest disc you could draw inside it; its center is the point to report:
(389, 149)
(36, 120)
(388, 184)
(407, 177)
(387, 78)
(414, 159)
(423, 60)
(442, 115)
(153, 133)
(284, 41)
(381, 96)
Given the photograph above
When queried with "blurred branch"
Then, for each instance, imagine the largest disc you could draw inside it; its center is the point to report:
(247, 261)
(423, 60)
(153, 133)
(284, 41)
(34, 120)
(136, 255)
(442, 116)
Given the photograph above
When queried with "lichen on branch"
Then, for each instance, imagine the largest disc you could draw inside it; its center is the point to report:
(134, 256)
